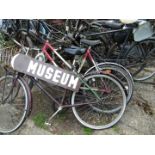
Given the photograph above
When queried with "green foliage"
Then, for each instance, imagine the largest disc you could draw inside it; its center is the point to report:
(116, 129)
(87, 131)
(39, 120)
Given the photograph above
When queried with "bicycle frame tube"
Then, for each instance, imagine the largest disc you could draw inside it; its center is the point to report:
(48, 46)
(107, 32)
(44, 49)
(88, 55)
(53, 99)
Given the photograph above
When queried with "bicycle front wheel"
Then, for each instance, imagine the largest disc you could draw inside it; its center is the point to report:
(90, 110)
(14, 103)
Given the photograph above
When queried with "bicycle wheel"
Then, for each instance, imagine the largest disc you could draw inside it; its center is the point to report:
(14, 103)
(147, 67)
(140, 59)
(118, 71)
(110, 93)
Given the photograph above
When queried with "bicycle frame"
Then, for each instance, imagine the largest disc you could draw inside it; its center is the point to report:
(40, 30)
(87, 55)
(46, 46)
(60, 104)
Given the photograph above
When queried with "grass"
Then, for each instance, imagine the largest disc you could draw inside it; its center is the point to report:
(39, 120)
(116, 129)
(87, 131)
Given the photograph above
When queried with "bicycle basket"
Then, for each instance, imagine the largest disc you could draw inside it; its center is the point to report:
(6, 54)
(143, 31)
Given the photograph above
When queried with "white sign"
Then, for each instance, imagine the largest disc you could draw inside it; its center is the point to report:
(46, 72)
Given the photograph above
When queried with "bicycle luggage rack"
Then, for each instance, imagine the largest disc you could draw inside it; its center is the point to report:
(6, 54)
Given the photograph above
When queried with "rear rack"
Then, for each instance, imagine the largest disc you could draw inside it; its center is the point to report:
(6, 54)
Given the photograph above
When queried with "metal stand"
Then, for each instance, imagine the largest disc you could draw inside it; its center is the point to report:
(48, 123)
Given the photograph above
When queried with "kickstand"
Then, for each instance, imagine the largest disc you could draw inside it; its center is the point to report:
(48, 122)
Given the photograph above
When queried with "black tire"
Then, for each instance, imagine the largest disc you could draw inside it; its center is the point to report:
(139, 57)
(14, 100)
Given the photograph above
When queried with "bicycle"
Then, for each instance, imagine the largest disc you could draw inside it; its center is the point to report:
(72, 49)
(116, 70)
(119, 45)
(89, 58)
(90, 95)
(128, 80)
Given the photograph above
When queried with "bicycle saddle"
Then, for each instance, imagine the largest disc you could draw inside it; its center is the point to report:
(108, 24)
(128, 21)
(90, 42)
(74, 50)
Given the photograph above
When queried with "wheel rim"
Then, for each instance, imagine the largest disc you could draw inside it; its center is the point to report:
(13, 106)
(95, 118)
(121, 73)
(141, 60)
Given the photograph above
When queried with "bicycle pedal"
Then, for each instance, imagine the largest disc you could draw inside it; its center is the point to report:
(47, 124)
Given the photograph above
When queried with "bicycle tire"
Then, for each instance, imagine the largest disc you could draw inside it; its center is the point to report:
(9, 109)
(129, 84)
(136, 58)
(95, 124)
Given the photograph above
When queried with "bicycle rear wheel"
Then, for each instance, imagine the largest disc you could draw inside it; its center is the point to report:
(147, 67)
(120, 72)
(111, 95)
(14, 103)
(140, 59)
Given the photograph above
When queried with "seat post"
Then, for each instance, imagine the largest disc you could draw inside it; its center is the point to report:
(92, 60)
